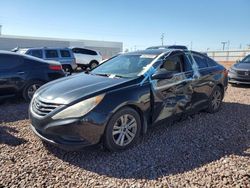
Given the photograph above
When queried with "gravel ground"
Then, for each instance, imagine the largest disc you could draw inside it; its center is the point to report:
(202, 151)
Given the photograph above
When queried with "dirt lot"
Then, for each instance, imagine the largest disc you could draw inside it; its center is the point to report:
(202, 151)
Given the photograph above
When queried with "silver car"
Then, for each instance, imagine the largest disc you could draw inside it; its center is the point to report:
(63, 55)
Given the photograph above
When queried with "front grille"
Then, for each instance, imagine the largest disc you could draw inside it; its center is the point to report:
(243, 73)
(42, 108)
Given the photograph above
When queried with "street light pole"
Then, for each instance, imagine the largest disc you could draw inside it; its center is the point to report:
(223, 45)
(162, 38)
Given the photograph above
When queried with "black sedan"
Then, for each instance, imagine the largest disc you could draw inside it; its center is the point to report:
(23, 74)
(119, 100)
(239, 73)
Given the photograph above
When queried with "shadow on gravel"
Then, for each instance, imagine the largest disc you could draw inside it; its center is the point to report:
(172, 149)
(13, 109)
(240, 86)
(7, 138)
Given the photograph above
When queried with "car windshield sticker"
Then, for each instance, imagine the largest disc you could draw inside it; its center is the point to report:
(148, 56)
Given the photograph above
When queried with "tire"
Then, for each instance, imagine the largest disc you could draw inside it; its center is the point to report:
(233, 84)
(93, 64)
(68, 69)
(30, 89)
(118, 136)
(215, 100)
(83, 68)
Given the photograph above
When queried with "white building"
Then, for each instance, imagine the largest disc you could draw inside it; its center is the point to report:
(107, 48)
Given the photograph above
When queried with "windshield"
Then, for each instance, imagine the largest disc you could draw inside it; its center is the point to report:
(127, 66)
(246, 59)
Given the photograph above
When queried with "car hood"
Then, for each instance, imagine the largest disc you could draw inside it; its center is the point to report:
(72, 88)
(242, 66)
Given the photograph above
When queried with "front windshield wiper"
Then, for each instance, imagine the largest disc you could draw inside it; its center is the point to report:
(100, 74)
(110, 75)
(121, 76)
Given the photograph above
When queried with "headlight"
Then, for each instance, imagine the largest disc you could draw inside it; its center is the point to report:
(232, 70)
(79, 109)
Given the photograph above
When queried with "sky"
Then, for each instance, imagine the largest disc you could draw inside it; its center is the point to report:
(200, 24)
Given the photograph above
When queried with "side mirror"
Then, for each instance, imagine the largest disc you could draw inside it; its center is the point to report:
(162, 74)
(238, 61)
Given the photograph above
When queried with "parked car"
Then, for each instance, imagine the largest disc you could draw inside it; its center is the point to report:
(239, 73)
(22, 74)
(180, 47)
(117, 101)
(63, 55)
(86, 58)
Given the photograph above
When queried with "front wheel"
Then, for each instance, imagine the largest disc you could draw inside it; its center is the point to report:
(123, 130)
(215, 100)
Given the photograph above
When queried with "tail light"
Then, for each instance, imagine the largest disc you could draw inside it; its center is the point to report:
(55, 67)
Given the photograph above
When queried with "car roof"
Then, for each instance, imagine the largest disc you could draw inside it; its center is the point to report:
(152, 51)
(182, 47)
(3, 52)
(41, 48)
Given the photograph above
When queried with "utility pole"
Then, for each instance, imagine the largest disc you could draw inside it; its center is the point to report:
(191, 45)
(223, 45)
(162, 38)
(0, 30)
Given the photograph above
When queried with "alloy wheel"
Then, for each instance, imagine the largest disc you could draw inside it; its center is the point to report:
(32, 89)
(93, 65)
(124, 130)
(216, 99)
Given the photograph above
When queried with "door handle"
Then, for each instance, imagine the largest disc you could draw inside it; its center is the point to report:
(20, 72)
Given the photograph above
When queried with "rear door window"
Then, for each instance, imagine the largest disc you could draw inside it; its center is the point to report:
(87, 52)
(211, 63)
(201, 61)
(51, 53)
(65, 53)
(187, 65)
(36, 53)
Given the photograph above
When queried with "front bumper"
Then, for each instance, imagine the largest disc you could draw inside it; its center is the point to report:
(69, 134)
(66, 145)
(238, 79)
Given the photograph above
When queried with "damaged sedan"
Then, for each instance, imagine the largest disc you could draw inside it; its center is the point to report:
(117, 102)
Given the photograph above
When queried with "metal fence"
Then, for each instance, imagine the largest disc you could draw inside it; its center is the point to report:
(227, 58)
(231, 55)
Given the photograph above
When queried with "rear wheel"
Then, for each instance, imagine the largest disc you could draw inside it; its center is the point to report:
(68, 69)
(123, 130)
(215, 100)
(30, 89)
(93, 64)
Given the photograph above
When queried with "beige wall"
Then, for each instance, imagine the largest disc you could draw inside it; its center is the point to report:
(107, 48)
